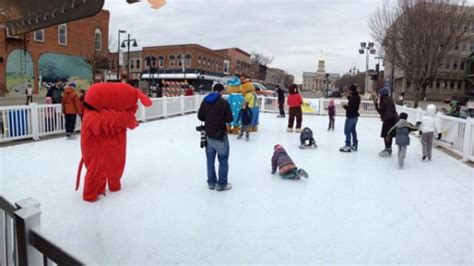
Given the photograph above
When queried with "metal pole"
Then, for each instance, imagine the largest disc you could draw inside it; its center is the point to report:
(367, 71)
(392, 86)
(118, 57)
(128, 59)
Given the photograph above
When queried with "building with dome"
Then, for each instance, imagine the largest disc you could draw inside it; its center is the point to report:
(316, 81)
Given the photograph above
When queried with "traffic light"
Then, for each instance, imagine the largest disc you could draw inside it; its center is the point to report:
(377, 68)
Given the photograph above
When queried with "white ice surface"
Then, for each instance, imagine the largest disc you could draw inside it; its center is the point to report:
(354, 208)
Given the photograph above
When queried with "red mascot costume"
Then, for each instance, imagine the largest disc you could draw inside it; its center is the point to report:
(109, 111)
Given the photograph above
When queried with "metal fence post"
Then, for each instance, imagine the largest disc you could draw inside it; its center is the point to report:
(467, 145)
(165, 107)
(34, 121)
(25, 219)
(181, 101)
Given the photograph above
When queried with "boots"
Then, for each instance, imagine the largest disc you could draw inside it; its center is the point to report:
(387, 152)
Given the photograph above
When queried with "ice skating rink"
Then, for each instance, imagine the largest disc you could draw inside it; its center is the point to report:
(354, 208)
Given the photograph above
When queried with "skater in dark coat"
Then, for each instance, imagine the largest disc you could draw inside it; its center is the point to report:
(388, 114)
(286, 166)
(307, 139)
(245, 115)
(281, 101)
(352, 117)
(402, 130)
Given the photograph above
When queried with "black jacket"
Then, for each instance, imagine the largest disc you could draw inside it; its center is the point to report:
(281, 94)
(246, 116)
(387, 108)
(215, 112)
(352, 108)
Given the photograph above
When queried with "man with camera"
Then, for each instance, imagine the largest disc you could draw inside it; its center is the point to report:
(215, 112)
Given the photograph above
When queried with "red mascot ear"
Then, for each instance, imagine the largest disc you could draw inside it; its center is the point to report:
(144, 99)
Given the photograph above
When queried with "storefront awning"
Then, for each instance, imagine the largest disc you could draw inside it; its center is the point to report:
(22, 16)
(179, 76)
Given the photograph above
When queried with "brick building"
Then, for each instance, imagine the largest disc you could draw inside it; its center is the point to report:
(68, 51)
(191, 63)
(239, 61)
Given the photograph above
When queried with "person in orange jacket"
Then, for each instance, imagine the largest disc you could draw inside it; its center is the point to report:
(294, 102)
(109, 111)
(71, 108)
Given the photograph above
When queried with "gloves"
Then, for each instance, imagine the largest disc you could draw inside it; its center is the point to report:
(439, 136)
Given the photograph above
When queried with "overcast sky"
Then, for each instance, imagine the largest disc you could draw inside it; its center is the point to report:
(292, 31)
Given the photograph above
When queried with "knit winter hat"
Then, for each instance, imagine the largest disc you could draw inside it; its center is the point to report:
(403, 116)
(72, 85)
(384, 92)
(277, 146)
(353, 88)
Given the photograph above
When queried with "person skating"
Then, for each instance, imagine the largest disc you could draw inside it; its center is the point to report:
(352, 115)
(71, 108)
(429, 125)
(286, 166)
(294, 102)
(402, 131)
(307, 139)
(332, 114)
(215, 112)
(56, 92)
(29, 94)
(281, 101)
(388, 114)
(245, 115)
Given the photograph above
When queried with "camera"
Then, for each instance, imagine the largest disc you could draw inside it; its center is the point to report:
(200, 128)
(203, 135)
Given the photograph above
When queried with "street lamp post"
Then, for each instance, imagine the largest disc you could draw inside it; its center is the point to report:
(367, 48)
(118, 54)
(127, 41)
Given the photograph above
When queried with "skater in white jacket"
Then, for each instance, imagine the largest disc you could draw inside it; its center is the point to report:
(430, 125)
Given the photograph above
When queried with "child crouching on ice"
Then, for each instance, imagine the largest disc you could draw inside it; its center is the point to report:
(402, 139)
(287, 168)
(306, 139)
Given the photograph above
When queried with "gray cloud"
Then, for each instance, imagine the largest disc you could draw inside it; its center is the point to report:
(293, 32)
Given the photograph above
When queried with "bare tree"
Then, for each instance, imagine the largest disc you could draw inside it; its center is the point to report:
(418, 35)
(260, 59)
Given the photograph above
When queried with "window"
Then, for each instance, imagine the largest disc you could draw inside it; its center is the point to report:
(62, 34)
(455, 64)
(172, 58)
(112, 64)
(472, 28)
(98, 40)
(471, 48)
(161, 62)
(456, 47)
(39, 36)
(132, 63)
(209, 63)
(438, 85)
(138, 63)
(188, 60)
(451, 85)
(448, 64)
(199, 60)
(180, 61)
(461, 66)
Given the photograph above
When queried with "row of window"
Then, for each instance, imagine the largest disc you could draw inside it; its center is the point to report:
(177, 61)
(443, 85)
(454, 64)
(39, 36)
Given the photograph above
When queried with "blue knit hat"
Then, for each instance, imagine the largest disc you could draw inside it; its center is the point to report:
(72, 85)
(384, 92)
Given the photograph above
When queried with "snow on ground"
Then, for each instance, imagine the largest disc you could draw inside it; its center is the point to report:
(354, 208)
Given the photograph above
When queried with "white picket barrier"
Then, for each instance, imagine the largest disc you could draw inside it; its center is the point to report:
(35, 121)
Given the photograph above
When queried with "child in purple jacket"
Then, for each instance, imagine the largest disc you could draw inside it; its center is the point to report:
(332, 114)
(286, 166)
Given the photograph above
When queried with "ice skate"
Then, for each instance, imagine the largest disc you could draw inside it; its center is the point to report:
(227, 187)
(247, 137)
(385, 153)
(303, 147)
(345, 149)
(303, 173)
(289, 130)
(240, 136)
(355, 147)
(212, 186)
(298, 130)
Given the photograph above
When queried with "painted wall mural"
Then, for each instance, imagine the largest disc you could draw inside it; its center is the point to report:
(19, 72)
(68, 68)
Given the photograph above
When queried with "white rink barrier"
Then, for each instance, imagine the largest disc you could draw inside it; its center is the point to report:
(457, 133)
(38, 120)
